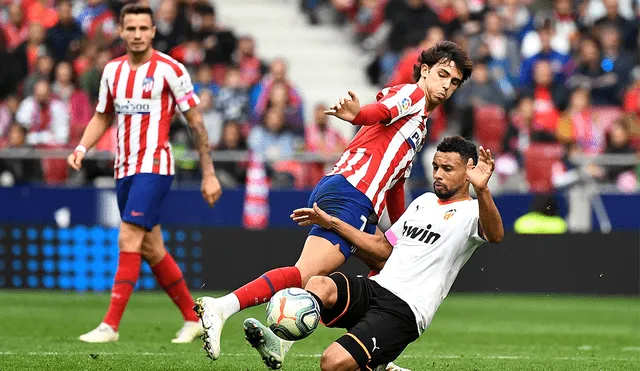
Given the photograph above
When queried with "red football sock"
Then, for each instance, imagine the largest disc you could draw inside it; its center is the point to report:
(264, 287)
(169, 276)
(123, 284)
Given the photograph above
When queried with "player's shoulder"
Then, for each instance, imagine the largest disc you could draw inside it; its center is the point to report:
(167, 60)
(113, 64)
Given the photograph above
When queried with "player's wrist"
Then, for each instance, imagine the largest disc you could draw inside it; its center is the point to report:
(80, 148)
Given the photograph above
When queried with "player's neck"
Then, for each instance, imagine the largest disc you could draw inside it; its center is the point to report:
(461, 196)
(138, 59)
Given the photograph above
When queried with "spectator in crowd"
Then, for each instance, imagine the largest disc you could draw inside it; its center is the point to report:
(204, 80)
(90, 79)
(403, 72)
(19, 170)
(260, 95)
(466, 23)
(279, 99)
(542, 219)
(34, 45)
(631, 102)
(171, 30)
(578, 126)
(16, 29)
(231, 173)
(516, 17)
(10, 69)
(251, 67)
(41, 11)
(615, 60)
(612, 17)
(559, 61)
(366, 16)
(78, 104)
(590, 74)
(324, 141)
(618, 142)
(232, 101)
(98, 22)
(409, 20)
(212, 118)
(43, 71)
(482, 90)
(8, 109)
(46, 118)
(64, 37)
(549, 98)
(217, 42)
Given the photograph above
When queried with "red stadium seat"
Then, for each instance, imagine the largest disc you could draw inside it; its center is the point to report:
(539, 159)
(490, 126)
(605, 116)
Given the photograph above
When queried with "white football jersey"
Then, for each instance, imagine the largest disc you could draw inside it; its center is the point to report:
(431, 241)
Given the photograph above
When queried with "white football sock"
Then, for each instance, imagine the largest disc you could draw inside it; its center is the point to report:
(229, 305)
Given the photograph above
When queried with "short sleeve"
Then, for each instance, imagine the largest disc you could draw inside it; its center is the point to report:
(402, 100)
(182, 89)
(105, 99)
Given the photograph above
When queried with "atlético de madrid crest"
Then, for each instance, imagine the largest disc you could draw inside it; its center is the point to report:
(449, 214)
(147, 84)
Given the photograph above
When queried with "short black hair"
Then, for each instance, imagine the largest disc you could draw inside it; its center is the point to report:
(133, 8)
(466, 148)
(443, 52)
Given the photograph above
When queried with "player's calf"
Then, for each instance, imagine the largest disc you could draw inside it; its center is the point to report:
(336, 358)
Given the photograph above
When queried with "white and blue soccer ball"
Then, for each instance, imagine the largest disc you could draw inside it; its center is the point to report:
(293, 314)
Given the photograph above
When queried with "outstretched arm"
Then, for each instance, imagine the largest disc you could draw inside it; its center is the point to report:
(374, 250)
(348, 109)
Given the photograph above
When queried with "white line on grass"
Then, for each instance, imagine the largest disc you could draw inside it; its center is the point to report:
(308, 355)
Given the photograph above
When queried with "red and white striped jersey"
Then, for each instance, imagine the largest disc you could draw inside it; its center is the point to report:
(381, 154)
(144, 101)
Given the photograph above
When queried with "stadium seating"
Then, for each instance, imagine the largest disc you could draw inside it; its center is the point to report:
(490, 126)
(539, 159)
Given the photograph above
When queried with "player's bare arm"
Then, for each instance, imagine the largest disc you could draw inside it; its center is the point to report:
(95, 129)
(374, 250)
(211, 190)
(491, 228)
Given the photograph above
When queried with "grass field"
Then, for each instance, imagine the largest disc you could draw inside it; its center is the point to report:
(38, 331)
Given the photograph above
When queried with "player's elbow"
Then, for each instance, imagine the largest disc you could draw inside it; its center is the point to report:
(496, 237)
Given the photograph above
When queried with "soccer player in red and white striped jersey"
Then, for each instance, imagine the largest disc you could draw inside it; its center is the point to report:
(369, 177)
(141, 90)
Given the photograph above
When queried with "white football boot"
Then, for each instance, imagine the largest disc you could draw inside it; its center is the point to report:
(189, 331)
(101, 334)
(272, 349)
(212, 324)
(390, 367)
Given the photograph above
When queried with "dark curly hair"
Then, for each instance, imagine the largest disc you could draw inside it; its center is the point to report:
(466, 148)
(444, 51)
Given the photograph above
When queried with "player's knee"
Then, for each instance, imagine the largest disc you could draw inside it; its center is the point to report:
(336, 358)
(324, 288)
(130, 237)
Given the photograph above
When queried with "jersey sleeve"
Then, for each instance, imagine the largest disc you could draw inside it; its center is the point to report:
(182, 89)
(402, 100)
(105, 99)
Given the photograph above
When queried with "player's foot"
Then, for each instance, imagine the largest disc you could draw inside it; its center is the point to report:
(390, 367)
(188, 332)
(212, 323)
(101, 334)
(272, 349)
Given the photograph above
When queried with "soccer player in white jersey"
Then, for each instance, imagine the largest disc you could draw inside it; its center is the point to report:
(141, 90)
(420, 256)
(368, 177)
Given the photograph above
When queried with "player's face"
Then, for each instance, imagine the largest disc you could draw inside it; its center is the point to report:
(137, 31)
(449, 174)
(442, 79)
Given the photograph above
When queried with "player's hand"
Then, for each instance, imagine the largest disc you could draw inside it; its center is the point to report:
(211, 190)
(479, 175)
(308, 216)
(346, 108)
(75, 160)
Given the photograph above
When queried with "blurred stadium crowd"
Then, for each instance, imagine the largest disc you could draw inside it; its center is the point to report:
(554, 81)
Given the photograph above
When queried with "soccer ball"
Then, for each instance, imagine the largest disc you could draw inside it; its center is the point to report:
(293, 314)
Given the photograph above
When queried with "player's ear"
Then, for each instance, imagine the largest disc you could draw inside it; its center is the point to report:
(424, 70)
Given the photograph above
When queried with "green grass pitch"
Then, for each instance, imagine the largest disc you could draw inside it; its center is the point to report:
(39, 330)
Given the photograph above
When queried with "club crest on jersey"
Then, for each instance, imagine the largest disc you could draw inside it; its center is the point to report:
(147, 84)
(405, 104)
(449, 214)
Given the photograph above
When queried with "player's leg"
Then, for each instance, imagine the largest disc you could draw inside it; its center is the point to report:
(378, 338)
(129, 244)
(170, 278)
(342, 303)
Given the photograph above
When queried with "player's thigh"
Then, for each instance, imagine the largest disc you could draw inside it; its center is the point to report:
(352, 301)
(146, 198)
(319, 257)
(379, 338)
